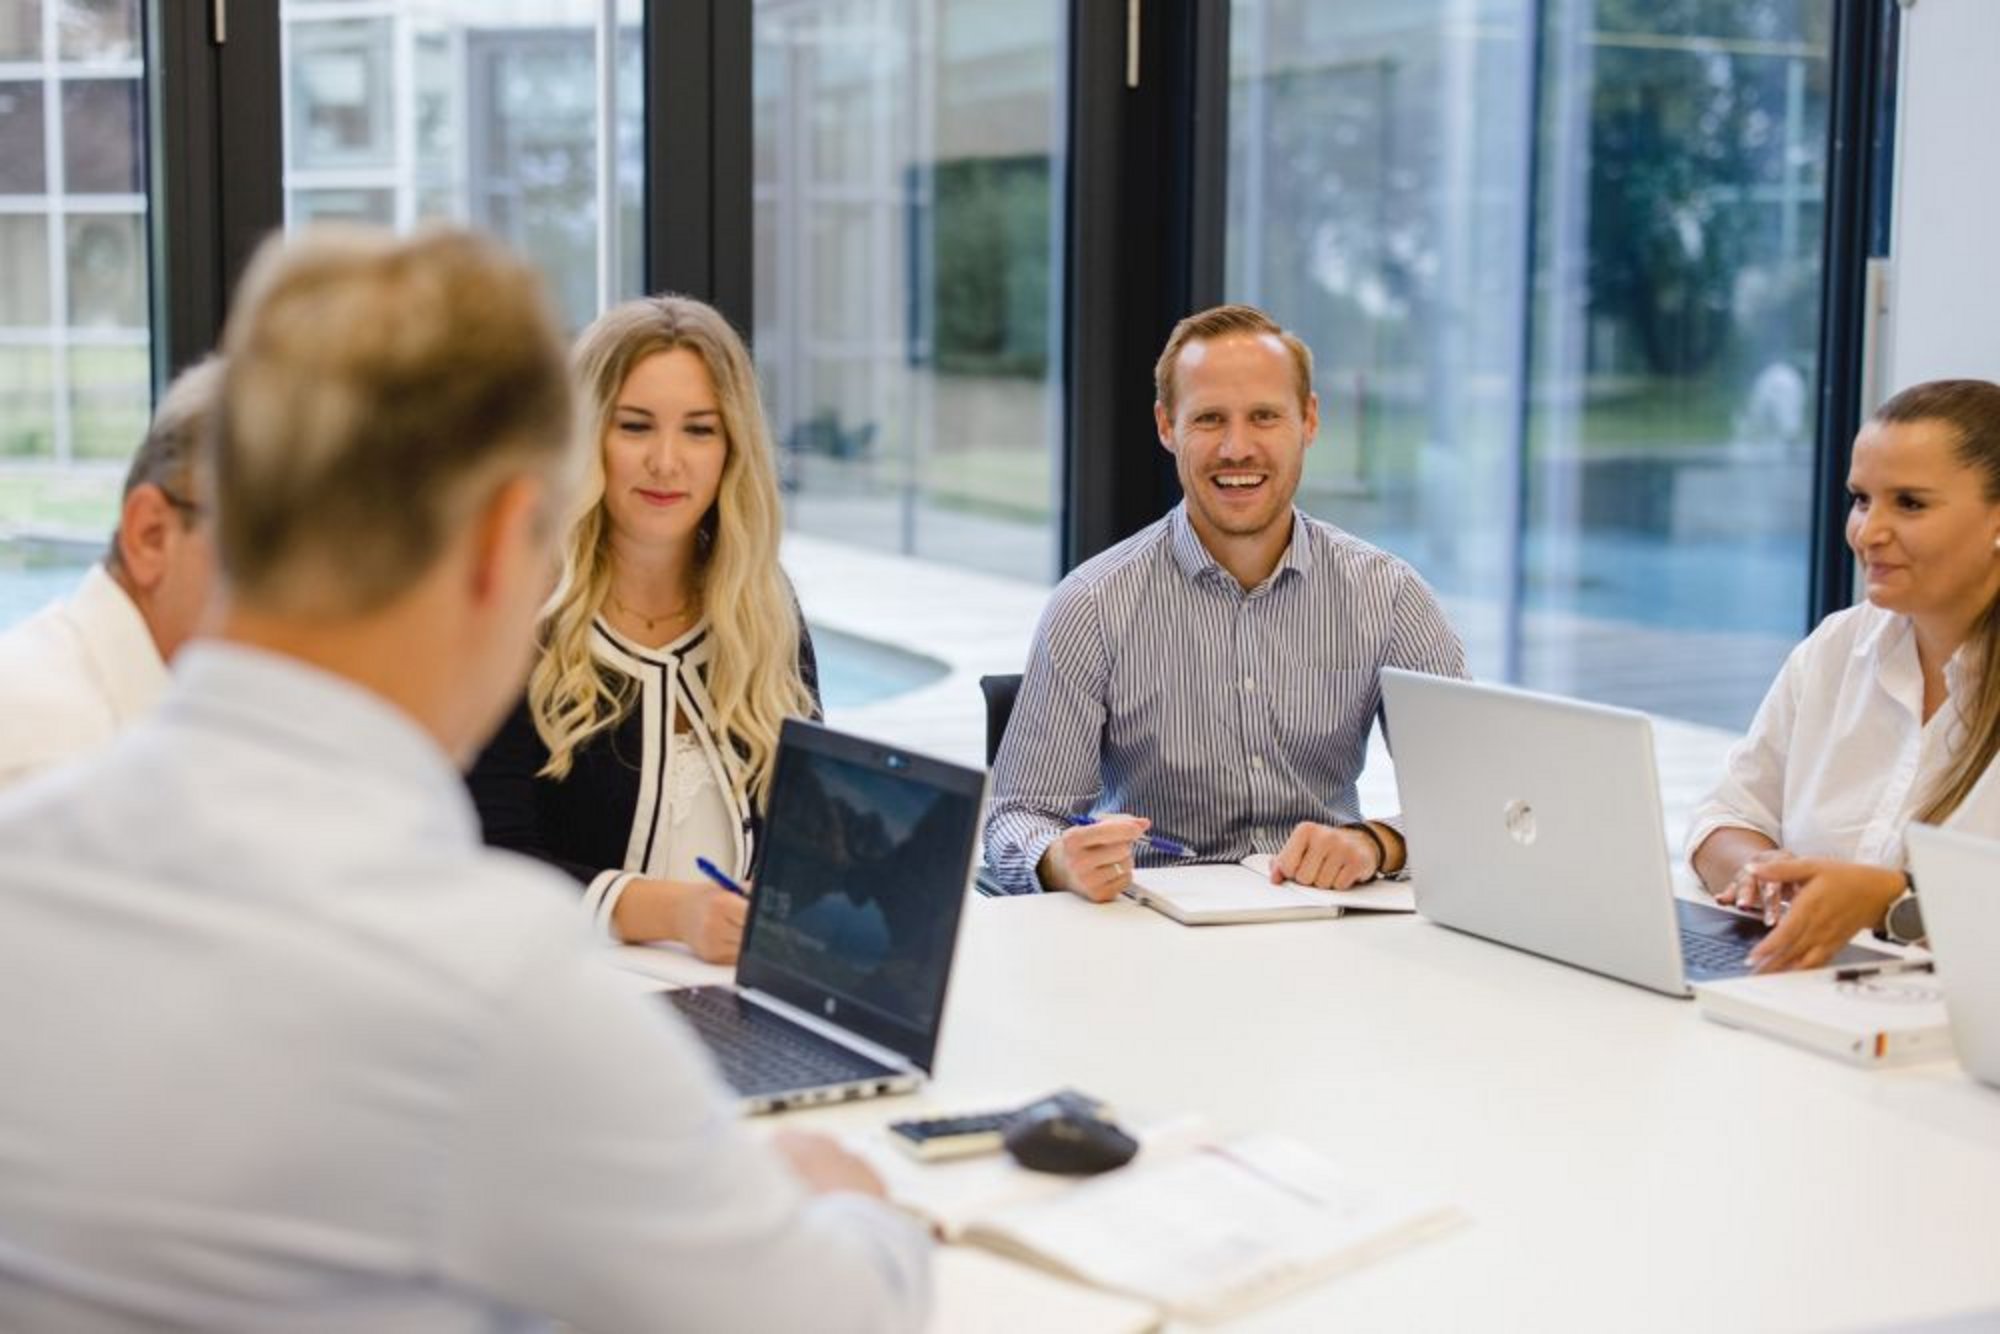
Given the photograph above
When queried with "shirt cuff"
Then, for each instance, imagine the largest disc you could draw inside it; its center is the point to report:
(600, 900)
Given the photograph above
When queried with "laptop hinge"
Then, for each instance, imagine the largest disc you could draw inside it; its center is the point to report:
(831, 1032)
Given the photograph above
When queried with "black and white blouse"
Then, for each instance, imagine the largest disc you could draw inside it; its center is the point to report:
(641, 798)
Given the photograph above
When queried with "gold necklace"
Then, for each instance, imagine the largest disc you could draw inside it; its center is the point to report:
(651, 622)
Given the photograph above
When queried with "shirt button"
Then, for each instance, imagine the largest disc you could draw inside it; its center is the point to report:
(1256, 761)
(1249, 684)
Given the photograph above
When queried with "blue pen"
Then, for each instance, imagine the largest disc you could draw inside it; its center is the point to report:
(1157, 842)
(715, 873)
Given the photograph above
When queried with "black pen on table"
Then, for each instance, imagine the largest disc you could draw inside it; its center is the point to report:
(1861, 971)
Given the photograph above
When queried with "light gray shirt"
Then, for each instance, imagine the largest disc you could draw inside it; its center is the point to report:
(286, 1048)
(74, 675)
(1159, 686)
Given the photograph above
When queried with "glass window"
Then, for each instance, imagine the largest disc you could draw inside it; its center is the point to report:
(98, 30)
(23, 141)
(907, 155)
(103, 142)
(110, 391)
(27, 421)
(75, 374)
(20, 29)
(107, 271)
(24, 270)
(471, 112)
(1598, 452)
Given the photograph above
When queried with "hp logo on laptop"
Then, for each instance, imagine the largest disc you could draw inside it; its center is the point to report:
(1519, 817)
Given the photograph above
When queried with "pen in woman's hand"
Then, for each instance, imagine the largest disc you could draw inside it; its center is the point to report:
(716, 873)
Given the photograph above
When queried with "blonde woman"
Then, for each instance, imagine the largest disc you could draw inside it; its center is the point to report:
(672, 649)
(1890, 711)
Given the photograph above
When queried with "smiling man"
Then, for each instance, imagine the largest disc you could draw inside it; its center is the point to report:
(1213, 678)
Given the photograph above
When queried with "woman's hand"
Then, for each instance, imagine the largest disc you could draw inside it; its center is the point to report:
(711, 923)
(1834, 899)
(1746, 891)
(707, 919)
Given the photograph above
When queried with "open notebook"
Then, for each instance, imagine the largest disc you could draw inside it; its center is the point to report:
(1215, 893)
(1198, 1228)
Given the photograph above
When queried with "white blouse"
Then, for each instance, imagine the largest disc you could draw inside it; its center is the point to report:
(690, 802)
(1839, 758)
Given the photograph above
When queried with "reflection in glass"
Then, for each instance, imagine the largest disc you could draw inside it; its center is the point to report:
(1599, 455)
(906, 158)
(451, 110)
(27, 404)
(110, 399)
(1678, 278)
(103, 136)
(24, 270)
(107, 271)
(20, 29)
(337, 87)
(376, 206)
(23, 161)
(98, 29)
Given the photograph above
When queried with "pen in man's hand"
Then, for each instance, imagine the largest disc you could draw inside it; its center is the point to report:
(1157, 842)
(716, 873)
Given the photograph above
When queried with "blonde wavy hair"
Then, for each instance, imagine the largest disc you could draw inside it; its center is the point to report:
(754, 630)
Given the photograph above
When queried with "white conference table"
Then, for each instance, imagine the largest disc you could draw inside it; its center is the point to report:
(1624, 1163)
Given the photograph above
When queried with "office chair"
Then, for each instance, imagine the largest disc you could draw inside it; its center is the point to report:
(999, 692)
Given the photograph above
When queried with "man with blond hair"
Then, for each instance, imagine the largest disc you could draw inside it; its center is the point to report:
(334, 1065)
(1213, 678)
(79, 671)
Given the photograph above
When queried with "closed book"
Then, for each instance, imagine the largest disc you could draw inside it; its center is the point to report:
(1887, 1018)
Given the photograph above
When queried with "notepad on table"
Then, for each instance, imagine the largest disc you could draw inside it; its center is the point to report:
(1215, 893)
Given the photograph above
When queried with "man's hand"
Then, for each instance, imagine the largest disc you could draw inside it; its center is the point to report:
(1095, 859)
(710, 922)
(824, 1166)
(1835, 899)
(1326, 857)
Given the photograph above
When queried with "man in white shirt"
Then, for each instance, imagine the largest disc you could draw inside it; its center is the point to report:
(288, 1047)
(80, 671)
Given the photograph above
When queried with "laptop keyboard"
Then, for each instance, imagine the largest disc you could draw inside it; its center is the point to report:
(761, 1052)
(1705, 953)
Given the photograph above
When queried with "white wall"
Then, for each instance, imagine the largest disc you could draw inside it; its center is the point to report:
(1944, 293)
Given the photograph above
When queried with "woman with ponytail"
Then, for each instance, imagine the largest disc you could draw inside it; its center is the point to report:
(672, 648)
(1890, 711)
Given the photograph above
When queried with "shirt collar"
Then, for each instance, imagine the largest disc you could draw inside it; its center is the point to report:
(319, 719)
(120, 646)
(1890, 645)
(1197, 562)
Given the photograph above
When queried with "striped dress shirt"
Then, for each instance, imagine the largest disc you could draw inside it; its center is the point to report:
(1159, 686)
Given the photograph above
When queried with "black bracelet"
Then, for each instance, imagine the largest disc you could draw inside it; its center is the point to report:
(1381, 848)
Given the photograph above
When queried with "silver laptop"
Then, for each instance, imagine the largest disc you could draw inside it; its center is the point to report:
(1958, 882)
(1535, 822)
(864, 868)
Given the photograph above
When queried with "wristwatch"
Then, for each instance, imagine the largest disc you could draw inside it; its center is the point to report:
(1903, 924)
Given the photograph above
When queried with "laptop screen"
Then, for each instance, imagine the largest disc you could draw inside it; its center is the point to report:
(866, 856)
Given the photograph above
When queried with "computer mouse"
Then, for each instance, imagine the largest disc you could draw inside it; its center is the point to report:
(1058, 1136)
